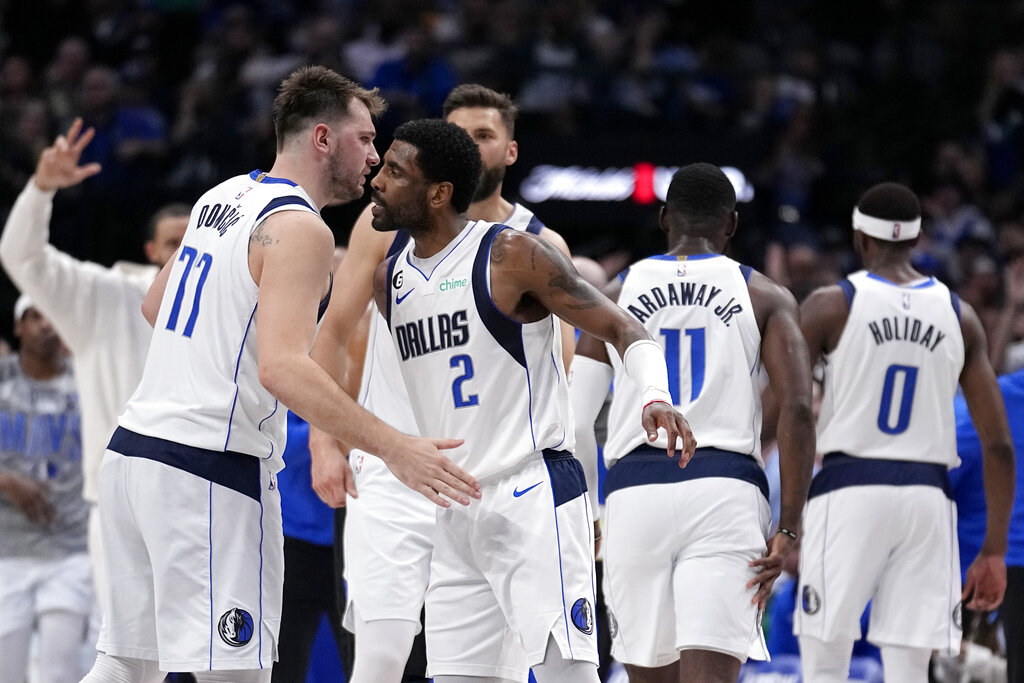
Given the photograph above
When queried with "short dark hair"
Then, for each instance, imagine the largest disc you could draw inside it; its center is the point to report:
(890, 201)
(476, 95)
(318, 92)
(700, 193)
(445, 153)
(176, 210)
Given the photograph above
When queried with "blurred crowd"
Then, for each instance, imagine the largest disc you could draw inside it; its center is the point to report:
(828, 98)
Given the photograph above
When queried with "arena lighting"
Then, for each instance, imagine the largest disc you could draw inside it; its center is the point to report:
(644, 183)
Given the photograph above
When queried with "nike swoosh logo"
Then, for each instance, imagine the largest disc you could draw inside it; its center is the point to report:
(400, 299)
(516, 493)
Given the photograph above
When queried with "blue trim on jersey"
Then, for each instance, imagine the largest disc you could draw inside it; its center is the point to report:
(210, 538)
(238, 363)
(278, 202)
(507, 332)
(622, 275)
(259, 428)
(239, 472)
(683, 257)
(746, 272)
(534, 226)
(462, 237)
(955, 300)
(839, 471)
(650, 465)
(387, 289)
(920, 285)
(849, 290)
(259, 624)
(255, 175)
(398, 244)
(567, 479)
(322, 308)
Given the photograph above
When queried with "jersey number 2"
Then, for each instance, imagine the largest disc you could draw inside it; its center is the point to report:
(461, 400)
(202, 263)
(909, 373)
(672, 353)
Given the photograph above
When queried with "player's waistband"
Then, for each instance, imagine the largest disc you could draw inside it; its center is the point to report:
(650, 465)
(840, 470)
(567, 479)
(237, 471)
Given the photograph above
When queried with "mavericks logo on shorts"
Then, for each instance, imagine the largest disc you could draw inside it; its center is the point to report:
(235, 627)
(613, 625)
(811, 601)
(583, 616)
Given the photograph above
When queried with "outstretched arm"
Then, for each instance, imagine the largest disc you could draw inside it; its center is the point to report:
(986, 577)
(531, 278)
(785, 357)
(353, 289)
(291, 264)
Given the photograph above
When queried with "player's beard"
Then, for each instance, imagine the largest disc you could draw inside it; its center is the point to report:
(490, 181)
(345, 188)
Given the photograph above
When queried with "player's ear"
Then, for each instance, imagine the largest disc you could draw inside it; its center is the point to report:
(439, 194)
(663, 219)
(733, 223)
(513, 153)
(321, 137)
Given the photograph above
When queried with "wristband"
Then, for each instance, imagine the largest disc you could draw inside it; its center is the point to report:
(644, 363)
(786, 532)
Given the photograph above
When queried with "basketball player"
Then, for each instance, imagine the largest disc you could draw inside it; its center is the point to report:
(94, 309)
(686, 598)
(388, 529)
(880, 521)
(188, 482)
(470, 306)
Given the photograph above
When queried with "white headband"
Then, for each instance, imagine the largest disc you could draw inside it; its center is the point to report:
(891, 231)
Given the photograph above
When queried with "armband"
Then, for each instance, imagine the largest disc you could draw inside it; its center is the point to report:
(644, 363)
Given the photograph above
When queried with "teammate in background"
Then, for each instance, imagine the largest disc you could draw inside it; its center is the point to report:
(388, 529)
(895, 344)
(471, 305)
(687, 597)
(45, 582)
(188, 481)
(94, 309)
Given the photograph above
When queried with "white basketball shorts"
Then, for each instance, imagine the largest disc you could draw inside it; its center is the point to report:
(30, 586)
(194, 551)
(512, 570)
(677, 552)
(389, 538)
(892, 543)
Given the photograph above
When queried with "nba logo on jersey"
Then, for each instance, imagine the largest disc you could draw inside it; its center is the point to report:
(906, 301)
(681, 270)
(896, 231)
(235, 627)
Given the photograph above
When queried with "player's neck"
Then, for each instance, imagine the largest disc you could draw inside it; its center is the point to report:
(40, 367)
(894, 268)
(692, 246)
(495, 208)
(438, 235)
(302, 174)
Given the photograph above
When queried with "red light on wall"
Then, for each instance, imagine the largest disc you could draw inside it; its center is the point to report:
(643, 188)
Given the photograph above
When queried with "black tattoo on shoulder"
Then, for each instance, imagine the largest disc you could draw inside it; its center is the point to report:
(260, 236)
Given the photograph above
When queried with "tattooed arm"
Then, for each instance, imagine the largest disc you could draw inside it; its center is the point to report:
(531, 278)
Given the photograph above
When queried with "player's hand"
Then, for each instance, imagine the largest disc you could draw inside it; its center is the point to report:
(29, 496)
(985, 584)
(58, 164)
(422, 467)
(769, 567)
(332, 475)
(659, 414)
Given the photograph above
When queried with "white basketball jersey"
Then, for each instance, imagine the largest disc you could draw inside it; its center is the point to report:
(890, 382)
(699, 311)
(382, 390)
(200, 386)
(471, 372)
